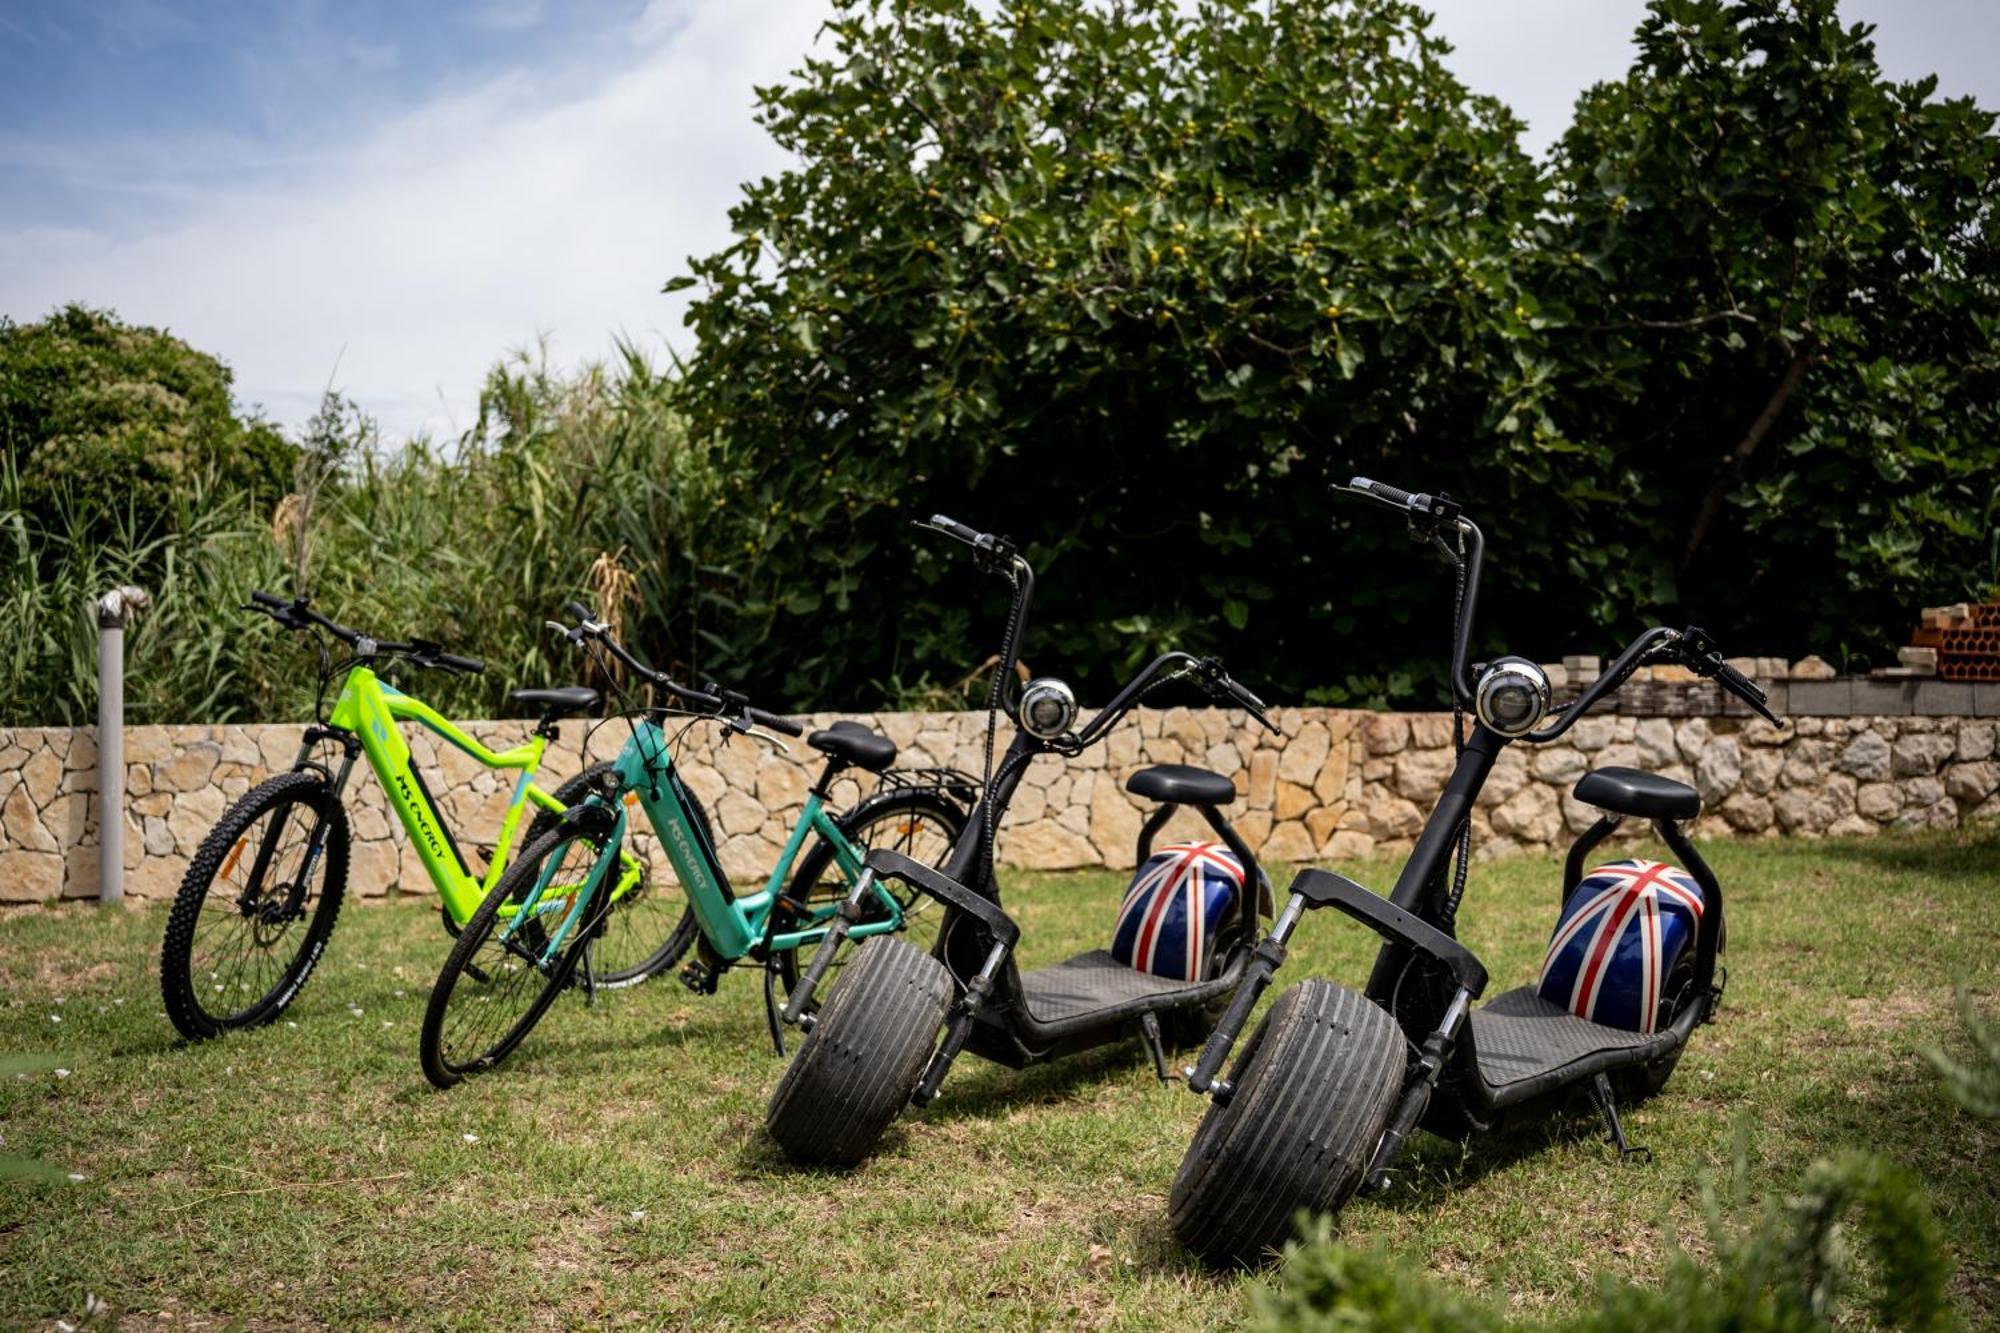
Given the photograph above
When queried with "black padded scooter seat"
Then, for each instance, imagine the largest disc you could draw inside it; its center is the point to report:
(1629, 791)
(853, 743)
(559, 700)
(1091, 983)
(1526, 1045)
(1181, 784)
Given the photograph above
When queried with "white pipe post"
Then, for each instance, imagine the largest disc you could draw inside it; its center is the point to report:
(113, 610)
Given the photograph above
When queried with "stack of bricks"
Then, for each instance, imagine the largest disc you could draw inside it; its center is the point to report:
(1959, 643)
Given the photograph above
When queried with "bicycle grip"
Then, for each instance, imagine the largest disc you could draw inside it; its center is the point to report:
(269, 599)
(773, 722)
(577, 609)
(1381, 490)
(472, 666)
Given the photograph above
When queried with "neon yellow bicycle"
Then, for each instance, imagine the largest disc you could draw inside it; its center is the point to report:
(264, 889)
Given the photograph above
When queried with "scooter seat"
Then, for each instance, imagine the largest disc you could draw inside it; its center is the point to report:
(1629, 791)
(1526, 1045)
(1181, 784)
(852, 743)
(558, 701)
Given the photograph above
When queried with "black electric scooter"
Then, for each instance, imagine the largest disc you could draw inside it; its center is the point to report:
(1332, 1082)
(874, 1045)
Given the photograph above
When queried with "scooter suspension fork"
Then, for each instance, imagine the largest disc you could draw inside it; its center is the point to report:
(1417, 1087)
(958, 1028)
(844, 918)
(1265, 960)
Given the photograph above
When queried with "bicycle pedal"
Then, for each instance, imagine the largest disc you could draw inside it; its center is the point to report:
(699, 977)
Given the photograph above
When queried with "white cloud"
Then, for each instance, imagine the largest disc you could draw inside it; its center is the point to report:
(557, 200)
(472, 225)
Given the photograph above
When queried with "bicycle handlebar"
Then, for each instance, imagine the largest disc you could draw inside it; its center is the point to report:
(772, 722)
(297, 614)
(728, 705)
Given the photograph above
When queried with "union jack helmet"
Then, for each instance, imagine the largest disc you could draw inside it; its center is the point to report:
(1617, 941)
(1179, 898)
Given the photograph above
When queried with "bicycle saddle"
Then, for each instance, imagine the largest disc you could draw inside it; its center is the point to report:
(852, 743)
(1628, 791)
(559, 700)
(1181, 784)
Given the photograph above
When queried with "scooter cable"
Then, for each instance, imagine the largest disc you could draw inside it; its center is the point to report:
(1464, 858)
(1009, 645)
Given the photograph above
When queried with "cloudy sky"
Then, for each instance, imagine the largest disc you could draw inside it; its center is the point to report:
(390, 195)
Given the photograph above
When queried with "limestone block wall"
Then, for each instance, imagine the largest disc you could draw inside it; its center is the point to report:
(1333, 785)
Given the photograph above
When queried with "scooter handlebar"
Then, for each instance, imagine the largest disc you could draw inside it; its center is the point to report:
(951, 527)
(1381, 490)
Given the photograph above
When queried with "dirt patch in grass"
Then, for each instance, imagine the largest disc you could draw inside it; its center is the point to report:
(1893, 1012)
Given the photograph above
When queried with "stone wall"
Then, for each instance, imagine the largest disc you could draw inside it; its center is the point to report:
(1335, 785)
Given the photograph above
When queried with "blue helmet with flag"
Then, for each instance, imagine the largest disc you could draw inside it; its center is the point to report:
(1615, 946)
(1181, 896)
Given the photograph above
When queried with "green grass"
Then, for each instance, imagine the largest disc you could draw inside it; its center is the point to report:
(619, 1171)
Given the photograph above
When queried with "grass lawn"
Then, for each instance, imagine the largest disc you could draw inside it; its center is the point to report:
(616, 1169)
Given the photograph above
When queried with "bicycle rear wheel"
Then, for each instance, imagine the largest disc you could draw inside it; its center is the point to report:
(255, 908)
(920, 823)
(495, 985)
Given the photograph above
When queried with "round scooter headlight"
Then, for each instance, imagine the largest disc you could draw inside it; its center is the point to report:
(1512, 696)
(1047, 708)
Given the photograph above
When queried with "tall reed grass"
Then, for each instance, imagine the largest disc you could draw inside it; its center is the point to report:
(569, 485)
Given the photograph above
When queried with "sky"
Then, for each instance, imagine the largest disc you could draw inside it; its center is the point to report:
(386, 197)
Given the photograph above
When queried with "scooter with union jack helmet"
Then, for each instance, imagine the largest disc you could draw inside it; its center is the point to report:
(875, 1046)
(1323, 1096)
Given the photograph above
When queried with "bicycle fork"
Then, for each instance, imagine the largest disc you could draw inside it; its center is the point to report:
(252, 899)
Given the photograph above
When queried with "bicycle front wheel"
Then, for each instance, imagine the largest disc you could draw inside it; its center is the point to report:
(254, 911)
(498, 981)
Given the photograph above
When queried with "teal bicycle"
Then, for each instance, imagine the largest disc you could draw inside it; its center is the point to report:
(523, 945)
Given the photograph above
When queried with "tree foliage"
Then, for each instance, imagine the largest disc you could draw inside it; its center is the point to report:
(1783, 290)
(1136, 281)
(112, 420)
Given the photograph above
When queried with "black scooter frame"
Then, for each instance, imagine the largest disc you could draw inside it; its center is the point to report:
(977, 938)
(1443, 1088)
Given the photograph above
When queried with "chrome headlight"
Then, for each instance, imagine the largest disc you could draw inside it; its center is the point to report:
(1512, 696)
(1047, 708)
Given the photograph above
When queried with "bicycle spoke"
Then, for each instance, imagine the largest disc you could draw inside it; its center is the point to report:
(496, 989)
(252, 911)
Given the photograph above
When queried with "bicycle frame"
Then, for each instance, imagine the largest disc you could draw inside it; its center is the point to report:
(368, 713)
(733, 926)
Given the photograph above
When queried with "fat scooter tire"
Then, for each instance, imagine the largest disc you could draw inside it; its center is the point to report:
(864, 1055)
(1313, 1090)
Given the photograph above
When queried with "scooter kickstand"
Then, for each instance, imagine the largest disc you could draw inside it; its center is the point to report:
(1607, 1106)
(1149, 1033)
